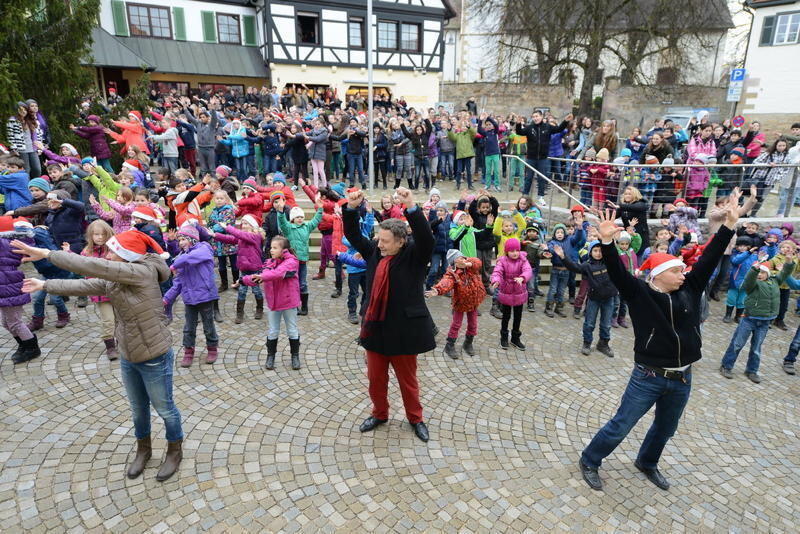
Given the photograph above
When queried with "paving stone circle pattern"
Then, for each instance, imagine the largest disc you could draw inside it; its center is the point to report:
(280, 451)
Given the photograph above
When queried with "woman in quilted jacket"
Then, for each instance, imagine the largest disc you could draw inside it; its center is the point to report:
(463, 278)
(510, 277)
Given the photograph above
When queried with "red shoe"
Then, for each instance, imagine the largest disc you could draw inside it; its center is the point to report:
(37, 323)
(63, 320)
(188, 356)
(212, 355)
(319, 276)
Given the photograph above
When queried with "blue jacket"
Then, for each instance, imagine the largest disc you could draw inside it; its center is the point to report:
(237, 140)
(352, 264)
(270, 144)
(571, 245)
(42, 238)
(556, 146)
(15, 188)
(195, 280)
(66, 223)
(740, 264)
(441, 232)
(491, 144)
(187, 133)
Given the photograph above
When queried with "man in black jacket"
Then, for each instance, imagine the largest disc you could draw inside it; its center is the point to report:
(665, 311)
(538, 132)
(397, 325)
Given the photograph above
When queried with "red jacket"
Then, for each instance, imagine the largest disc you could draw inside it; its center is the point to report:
(466, 284)
(287, 192)
(252, 204)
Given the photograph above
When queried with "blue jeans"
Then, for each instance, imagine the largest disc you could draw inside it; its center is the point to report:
(302, 275)
(606, 310)
(149, 383)
(422, 167)
(464, 165)
(747, 325)
(794, 347)
(644, 390)
(558, 283)
(205, 312)
(270, 164)
(355, 162)
(336, 164)
(438, 266)
(541, 165)
(242, 168)
(274, 323)
(620, 307)
(354, 282)
(38, 303)
(242, 292)
(447, 164)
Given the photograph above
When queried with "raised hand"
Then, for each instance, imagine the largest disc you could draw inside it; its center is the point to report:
(608, 229)
(405, 195)
(32, 285)
(559, 251)
(355, 198)
(732, 209)
(28, 252)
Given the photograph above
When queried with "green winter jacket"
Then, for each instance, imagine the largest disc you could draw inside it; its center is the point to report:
(465, 238)
(764, 296)
(298, 234)
(105, 185)
(464, 148)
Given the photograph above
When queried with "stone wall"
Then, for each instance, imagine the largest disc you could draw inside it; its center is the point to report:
(639, 105)
(503, 98)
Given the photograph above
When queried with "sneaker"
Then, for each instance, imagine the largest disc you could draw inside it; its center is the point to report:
(541, 201)
(727, 373)
(754, 378)
(788, 368)
(586, 349)
(352, 317)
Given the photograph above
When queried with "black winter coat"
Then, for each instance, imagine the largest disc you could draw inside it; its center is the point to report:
(483, 240)
(539, 137)
(600, 285)
(408, 327)
(636, 210)
(666, 326)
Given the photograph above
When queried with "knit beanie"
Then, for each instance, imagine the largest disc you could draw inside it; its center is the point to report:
(276, 194)
(668, 161)
(512, 244)
(591, 153)
(190, 231)
(650, 159)
(436, 192)
(561, 227)
(279, 177)
(339, 188)
(250, 184)
(452, 255)
(93, 118)
(90, 160)
(602, 154)
(624, 237)
(40, 183)
(295, 212)
(223, 170)
(625, 153)
(72, 150)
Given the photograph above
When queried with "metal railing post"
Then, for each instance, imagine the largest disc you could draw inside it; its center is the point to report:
(792, 189)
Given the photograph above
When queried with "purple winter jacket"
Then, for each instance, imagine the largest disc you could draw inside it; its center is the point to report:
(195, 270)
(98, 146)
(10, 276)
(281, 285)
(510, 292)
(249, 256)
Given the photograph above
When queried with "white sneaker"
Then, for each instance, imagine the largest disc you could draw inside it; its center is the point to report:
(541, 201)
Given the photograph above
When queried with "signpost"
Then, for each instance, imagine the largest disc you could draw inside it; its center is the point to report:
(735, 85)
(737, 121)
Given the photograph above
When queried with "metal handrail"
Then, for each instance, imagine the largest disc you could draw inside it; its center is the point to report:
(676, 165)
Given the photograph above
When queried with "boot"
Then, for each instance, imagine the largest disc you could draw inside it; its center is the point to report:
(111, 349)
(336, 293)
(223, 280)
(294, 347)
(531, 306)
(467, 346)
(144, 452)
(217, 313)
(450, 348)
(211, 354)
(728, 313)
(603, 347)
(614, 323)
(167, 313)
(516, 341)
(576, 313)
(560, 309)
(82, 302)
(778, 323)
(239, 312)
(188, 356)
(259, 309)
(272, 350)
(495, 311)
(36, 323)
(16, 354)
(30, 350)
(321, 274)
(63, 320)
(171, 462)
(548, 309)
(303, 304)
(587, 348)
(621, 321)
(504, 339)
(739, 313)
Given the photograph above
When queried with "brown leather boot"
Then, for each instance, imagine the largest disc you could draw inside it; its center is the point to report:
(172, 460)
(259, 309)
(239, 311)
(143, 454)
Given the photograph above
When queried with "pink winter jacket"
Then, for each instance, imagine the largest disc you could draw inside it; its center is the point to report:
(510, 292)
(281, 285)
(120, 217)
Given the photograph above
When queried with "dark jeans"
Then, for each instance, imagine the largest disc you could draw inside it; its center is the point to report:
(149, 383)
(747, 325)
(541, 165)
(794, 347)
(242, 168)
(422, 167)
(438, 267)
(223, 267)
(205, 310)
(644, 390)
(38, 304)
(507, 315)
(464, 165)
(355, 162)
(558, 283)
(606, 310)
(447, 164)
(784, 304)
(354, 282)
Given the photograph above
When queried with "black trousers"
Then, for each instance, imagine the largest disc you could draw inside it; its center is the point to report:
(507, 315)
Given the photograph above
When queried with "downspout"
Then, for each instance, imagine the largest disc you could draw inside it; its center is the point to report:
(746, 6)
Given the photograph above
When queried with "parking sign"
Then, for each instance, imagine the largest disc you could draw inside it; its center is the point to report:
(737, 75)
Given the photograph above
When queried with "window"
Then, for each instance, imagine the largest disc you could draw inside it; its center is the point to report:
(149, 21)
(355, 33)
(165, 88)
(387, 35)
(308, 28)
(228, 28)
(667, 76)
(213, 88)
(598, 76)
(787, 29)
(409, 37)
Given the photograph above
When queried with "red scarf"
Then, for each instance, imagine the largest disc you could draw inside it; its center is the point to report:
(378, 297)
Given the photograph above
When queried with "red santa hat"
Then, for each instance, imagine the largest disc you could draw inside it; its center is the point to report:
(764, 267)
(658, 262)
(252, 221)
(457, 216)
(132, 245)
(132, 165)
(144, 212)
(136, 115)
(22, 222)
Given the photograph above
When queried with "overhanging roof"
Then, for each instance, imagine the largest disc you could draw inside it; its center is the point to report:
(180, 57)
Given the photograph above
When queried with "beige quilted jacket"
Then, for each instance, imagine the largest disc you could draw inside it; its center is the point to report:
(133, 290)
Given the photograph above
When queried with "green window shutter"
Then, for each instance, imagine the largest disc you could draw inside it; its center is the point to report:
(768, 31)
(249, 23)
(209, 26)
(120, 19)
(179, 23)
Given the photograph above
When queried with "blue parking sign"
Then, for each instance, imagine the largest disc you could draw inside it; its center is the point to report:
(737, 75)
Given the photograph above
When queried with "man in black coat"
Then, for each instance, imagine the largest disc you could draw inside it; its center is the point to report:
(396, 325)
(665, 311)
(538, 132)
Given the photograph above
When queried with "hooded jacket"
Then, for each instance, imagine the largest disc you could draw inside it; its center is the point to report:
(281, 284)
(764, 296)
(195, 276)
(466, 285)
(248, 257)
(10, 276)
(600, 285)
(511, 293)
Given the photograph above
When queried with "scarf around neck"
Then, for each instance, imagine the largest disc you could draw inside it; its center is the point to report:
(378, 298)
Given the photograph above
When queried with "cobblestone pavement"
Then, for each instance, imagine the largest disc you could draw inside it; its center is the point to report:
(281, 451)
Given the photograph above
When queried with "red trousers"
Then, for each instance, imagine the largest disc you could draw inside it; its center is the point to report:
(190, 154)
(405, 368)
